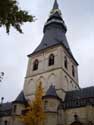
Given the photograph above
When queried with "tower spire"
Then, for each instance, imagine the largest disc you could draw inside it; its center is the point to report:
(54, 31)
(55, 6)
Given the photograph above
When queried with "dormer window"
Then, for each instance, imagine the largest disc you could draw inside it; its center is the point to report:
(65, 62)
(35, 65)
(73, 71)
(51, 60)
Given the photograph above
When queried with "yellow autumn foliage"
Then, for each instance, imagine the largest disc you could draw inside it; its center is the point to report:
(35, 112)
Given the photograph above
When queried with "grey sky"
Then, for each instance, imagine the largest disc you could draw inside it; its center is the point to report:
(79, 18)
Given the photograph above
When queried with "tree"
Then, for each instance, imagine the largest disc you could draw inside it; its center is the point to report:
(12, 16)
(34, 114)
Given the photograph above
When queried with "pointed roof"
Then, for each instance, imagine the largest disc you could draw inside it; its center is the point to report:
(55, 17)
(55, 6)
(20, 98)
(51, 93)
(54, 32)
(55, 11)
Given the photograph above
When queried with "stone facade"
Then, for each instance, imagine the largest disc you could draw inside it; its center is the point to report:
(53, 64)
(51, 74)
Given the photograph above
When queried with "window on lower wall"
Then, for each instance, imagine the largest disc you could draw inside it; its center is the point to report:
(14, 108)
(5, 122)
(45, 105)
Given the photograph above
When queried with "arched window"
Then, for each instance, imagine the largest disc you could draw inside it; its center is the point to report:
(65, 62)
(51, 60)
(73, 71)
(35, 65)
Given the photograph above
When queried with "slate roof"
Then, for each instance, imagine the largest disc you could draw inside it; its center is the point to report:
(20, 98)
(78, 98)
(55, 17)
(5, 109)
(73, 99)
(53, 37)
(51, 93)
(55, 6)
(54, 32)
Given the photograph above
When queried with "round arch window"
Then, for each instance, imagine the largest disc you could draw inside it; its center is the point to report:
(51, 60)
(35, 65)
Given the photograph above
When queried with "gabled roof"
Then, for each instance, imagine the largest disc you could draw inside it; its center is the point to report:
(20, 98)
(79, 98)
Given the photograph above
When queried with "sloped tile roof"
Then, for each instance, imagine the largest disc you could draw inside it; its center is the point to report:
(51, 93)
(20, 98)
(78, 98)
(78, 94)
(54, 33)
(5, 109)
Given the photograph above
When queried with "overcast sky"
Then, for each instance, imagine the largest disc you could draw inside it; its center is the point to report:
(14, 48)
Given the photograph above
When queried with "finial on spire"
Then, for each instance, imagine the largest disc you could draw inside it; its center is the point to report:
(55, 8)
(55, 5)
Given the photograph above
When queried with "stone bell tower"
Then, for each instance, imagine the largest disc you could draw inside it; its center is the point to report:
(52, 62)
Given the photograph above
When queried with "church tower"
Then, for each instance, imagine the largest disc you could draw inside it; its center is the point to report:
(52, 62)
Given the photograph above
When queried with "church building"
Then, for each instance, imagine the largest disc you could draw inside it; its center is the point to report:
(53, 64)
